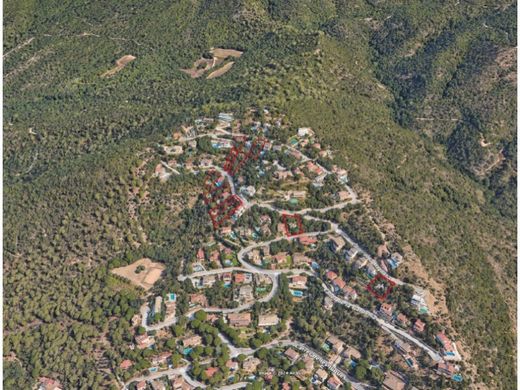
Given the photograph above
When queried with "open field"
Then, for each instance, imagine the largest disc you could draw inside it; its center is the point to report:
(146, 278)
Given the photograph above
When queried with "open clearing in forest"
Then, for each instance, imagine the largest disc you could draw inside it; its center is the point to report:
(203, 65)
(221, 71)
(120, 64)
(146, 278)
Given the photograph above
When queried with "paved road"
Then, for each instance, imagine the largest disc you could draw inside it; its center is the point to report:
(273, 274)
(385, 325)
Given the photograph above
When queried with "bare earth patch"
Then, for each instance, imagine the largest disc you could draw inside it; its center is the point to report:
(120, 64)
(144, 279)
(221, 71)
(203, 65)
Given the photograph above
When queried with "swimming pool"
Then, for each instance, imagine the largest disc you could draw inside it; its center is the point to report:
(297, 293)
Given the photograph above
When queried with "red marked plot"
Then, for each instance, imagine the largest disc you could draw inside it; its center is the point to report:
(257, 146)
(224, 210)
(293, 224)
(380, 287)
(214, 185)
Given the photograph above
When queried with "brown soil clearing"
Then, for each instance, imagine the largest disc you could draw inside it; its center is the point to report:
(144, 279)
(120, 64)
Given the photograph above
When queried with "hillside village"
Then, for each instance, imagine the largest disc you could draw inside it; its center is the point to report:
(288, 233)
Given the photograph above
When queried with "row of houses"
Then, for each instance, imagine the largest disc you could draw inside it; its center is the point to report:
(340, 286)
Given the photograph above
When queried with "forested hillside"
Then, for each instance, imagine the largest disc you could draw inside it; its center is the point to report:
(418, 98)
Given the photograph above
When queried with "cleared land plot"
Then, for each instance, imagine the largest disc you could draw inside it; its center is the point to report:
(144, 279)
(221, 71)
(225, 53)
(120, 64)
(203, 65)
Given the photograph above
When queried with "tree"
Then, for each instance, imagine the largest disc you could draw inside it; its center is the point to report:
(360, 372)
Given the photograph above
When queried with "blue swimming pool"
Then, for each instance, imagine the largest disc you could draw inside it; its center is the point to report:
(297, 293)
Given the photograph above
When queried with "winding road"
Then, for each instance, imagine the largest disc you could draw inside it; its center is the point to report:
(273, 275)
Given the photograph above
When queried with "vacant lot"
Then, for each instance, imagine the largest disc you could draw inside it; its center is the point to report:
(150, 273)
(203, 65)
(120, 64)
(221, 71)
(225, 53)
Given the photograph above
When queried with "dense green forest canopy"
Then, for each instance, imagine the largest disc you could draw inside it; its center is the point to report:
(406, 93)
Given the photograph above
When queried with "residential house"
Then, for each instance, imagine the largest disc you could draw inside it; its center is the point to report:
(266, 250)
(254, 257)
(283, 175)
(328, 303)
(305, 132)
(206, 162)
(144, 341)
(227, 277)
(280, 258)
(343, 196)
(339, 284)
(292, 355)
(200, 255)
(265, 219)
(246, 293)
(210, 371)
(157, 384)
(48, 384)
(250, 364)
(239, 319)
(336, 243)
(321, 375)
(394, 381)
(331, 275)
(402, 320)
(351, 253)
(395, 260)
(419, 302)
(141, 385)
(446, 369)
(208, 280)
(351, 353)
(333, 383)
(371, 270)
(360, 263)
(336, 344)
(226, 230)
(162, 358)
(386, 311)
(300, 259)
(248, 278)
(350, 293)
(313, 168)
(418, 326)
(191, 341)
(126, 364)
(262, 279)
(198, 299)
(265, 320)
(233, 366)
(449, 349)
(403, 348)
(308, 240)
(178, 383)
(239, 278)
(298, 281)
